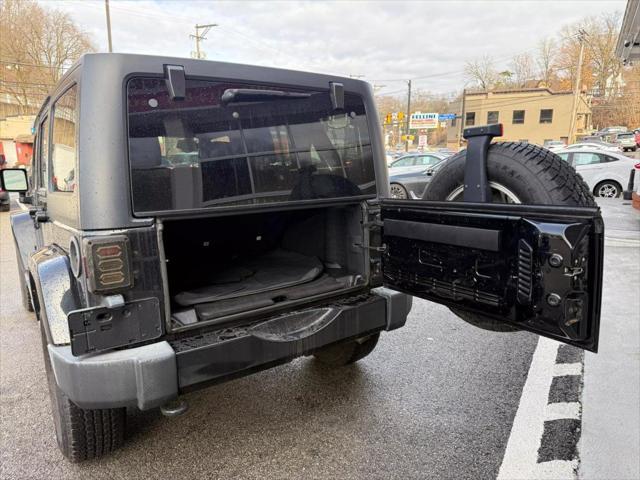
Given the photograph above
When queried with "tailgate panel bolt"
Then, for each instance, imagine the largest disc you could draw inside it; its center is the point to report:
(553, 299)
(555, 260)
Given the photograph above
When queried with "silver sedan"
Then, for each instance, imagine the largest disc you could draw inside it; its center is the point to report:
(410, 174)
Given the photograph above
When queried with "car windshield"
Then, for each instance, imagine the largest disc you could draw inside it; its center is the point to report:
(198, 152)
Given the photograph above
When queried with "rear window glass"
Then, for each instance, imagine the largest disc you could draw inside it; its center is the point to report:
(198, 152)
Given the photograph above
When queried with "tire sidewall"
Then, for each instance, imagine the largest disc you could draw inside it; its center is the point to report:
(506, 166)
(500, 169)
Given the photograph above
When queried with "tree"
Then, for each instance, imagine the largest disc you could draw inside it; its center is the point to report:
(481, 71)
(43, 44)
(601, 68)
(546, 60)
(523, 69)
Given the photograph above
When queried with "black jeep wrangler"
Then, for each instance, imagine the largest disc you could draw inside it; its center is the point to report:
(191, 222)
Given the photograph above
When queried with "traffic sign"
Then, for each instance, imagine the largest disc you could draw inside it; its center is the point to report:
(446, 116)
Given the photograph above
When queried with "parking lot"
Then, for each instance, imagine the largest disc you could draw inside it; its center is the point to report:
(436, 399)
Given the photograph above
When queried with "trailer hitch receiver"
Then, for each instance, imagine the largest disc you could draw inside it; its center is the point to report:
(476, 183)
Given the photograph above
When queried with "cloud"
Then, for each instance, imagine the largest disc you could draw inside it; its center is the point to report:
(384, 41)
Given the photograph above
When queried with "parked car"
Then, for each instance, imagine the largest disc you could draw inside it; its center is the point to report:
(153, 274)
(606, 173)
(554, 145)
(627, 141)
(446, 151)
(589, 138)
(610, 147)
(611, 130)
(409, 175)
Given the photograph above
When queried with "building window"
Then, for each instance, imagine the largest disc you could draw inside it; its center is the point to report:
(63, 140)
(492, 117)
(518, 116)
(546, 115)
(470, 119)
(524, 140)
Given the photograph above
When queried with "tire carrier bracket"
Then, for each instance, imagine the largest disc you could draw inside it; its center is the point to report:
(476, 184)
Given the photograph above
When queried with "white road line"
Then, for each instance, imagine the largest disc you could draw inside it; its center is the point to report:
(556, 411)
(521, 456)
(556, 470)
(563, 369)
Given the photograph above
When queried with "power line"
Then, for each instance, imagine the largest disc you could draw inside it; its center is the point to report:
(28, 83)
(23, 64)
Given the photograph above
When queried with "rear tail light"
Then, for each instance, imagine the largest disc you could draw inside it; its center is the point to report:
(108, 263)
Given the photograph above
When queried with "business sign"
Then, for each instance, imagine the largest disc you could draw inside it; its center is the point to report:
(423, 120)
(422, 141)
(446, 116)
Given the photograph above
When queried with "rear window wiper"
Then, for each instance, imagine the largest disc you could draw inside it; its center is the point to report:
(235, 95)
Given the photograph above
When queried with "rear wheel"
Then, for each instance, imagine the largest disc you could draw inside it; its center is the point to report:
(347, 352)
(608, 189)
(518, 173)
(81, 433)
(398, 191)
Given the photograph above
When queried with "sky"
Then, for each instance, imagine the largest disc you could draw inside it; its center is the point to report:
(384, 42)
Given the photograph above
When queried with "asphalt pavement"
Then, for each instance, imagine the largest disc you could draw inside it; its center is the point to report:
(436, 399)
(610, 443)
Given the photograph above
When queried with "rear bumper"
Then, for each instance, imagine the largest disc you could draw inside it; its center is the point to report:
(150, 375)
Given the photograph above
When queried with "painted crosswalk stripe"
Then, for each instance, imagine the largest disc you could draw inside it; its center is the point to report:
(555, 411)
(546, 429)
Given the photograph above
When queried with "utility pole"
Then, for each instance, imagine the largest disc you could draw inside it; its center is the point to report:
(406, 147)
(576, 90)
(201, 36)
(106, 7)
(464, 99)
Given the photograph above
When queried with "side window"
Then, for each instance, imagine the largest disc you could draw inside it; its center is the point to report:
(64, 147)
(585, 158)
(427, 160)
(404, 162)
(43, 152)
(607, 159)
(564, 156)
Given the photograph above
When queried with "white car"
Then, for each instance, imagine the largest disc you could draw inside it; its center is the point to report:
(609, 147)
(606, 173)
(554, 145)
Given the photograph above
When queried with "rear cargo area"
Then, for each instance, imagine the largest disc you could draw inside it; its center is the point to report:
(224, 268)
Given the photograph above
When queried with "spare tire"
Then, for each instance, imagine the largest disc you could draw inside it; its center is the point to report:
(518, 173)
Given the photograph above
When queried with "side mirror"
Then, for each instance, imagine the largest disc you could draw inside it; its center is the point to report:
(14, 180)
